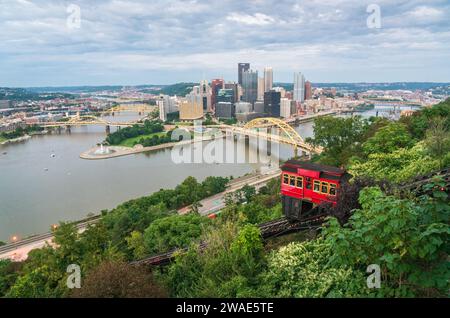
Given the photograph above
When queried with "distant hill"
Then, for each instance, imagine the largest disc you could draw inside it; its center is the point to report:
(21, 94)
(359, 87)
(181, 89)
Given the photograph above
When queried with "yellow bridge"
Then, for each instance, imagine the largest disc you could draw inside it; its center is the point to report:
(287, 135)
(135, 108)
(87, 120)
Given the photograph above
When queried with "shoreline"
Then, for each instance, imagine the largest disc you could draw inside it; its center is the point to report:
(24, 137)
(121, 151)
(19, 250)
(15, 140)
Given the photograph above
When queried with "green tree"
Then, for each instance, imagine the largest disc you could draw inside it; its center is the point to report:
(8, 275)
(398, 166)
(136, 244)
(173, 231)
(419, 122)
(340, 137)
(388, 139)
(213, 185)
(409, 239)
(303, 270)
(229, 266)
(437, 141)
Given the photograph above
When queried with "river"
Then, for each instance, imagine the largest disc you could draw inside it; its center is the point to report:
(38, 189)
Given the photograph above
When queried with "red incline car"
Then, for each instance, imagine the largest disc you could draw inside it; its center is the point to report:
(305, 184)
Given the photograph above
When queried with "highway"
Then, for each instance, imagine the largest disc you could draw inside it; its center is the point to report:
(217, 202)
(18, 251)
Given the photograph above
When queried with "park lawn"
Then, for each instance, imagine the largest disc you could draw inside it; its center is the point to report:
(130, 142)
(2, 139)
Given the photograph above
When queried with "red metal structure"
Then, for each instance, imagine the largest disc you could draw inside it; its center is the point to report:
(305, 184)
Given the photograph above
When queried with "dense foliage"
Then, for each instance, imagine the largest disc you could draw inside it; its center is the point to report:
(110, 241)
(149, 127)
(406, 235)
(119, 280)
(20, 132)
(408, 238)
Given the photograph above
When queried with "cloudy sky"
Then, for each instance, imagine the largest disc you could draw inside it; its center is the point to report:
(168, 41)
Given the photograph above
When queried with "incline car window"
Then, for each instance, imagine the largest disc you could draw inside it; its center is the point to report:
(324, 187)
(317, 186)
(292, 181)
(299, 182)
(332, 189)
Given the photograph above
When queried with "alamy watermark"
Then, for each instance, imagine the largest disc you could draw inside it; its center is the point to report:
(74, 278)
(374, 19)
(374, 279)
(231, 145)
(73, 21)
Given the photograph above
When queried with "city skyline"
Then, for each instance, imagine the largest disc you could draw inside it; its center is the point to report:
(165, 42)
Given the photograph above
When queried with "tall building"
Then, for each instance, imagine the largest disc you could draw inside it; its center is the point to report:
(204, 92)
(216, 85)
(268, 79)
(226, 95)
(235, 87)
(281, 90)
(250, 86)
(225, 110)
(191, 107)
(261, 88)
(258, 107)
(243, 107)
(308, 90)
(167, 105)
(242, 67)
(285, 108)
(272, 103)
(299, 87)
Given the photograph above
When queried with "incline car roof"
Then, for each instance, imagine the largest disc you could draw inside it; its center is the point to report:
(313, 166)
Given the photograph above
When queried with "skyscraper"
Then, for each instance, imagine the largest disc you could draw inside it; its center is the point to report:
(166, 104)
(299, 87)
(272, 103)
(216, 85)
(204, 91)
(261, 88)
(225, 95)
(192, 106)
(242, 67)
(285, 108)
(235, 87)
(250, 86)
(225, 110)
(308, 90)
(268, 79)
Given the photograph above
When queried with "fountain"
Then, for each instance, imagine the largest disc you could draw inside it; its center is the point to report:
(103, 150)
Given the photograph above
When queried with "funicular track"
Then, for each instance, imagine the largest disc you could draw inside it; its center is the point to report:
(283, 226)
(278, 227)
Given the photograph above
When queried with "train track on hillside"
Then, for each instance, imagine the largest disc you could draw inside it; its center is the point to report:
(283, 226)
(416, 184)
(278, 227)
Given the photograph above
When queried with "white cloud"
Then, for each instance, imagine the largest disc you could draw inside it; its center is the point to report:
(248, 19)
(147, 40)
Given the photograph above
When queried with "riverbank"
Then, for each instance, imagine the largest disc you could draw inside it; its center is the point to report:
(15, 140)
(120, 151)
(4, 141)
(18, 251)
